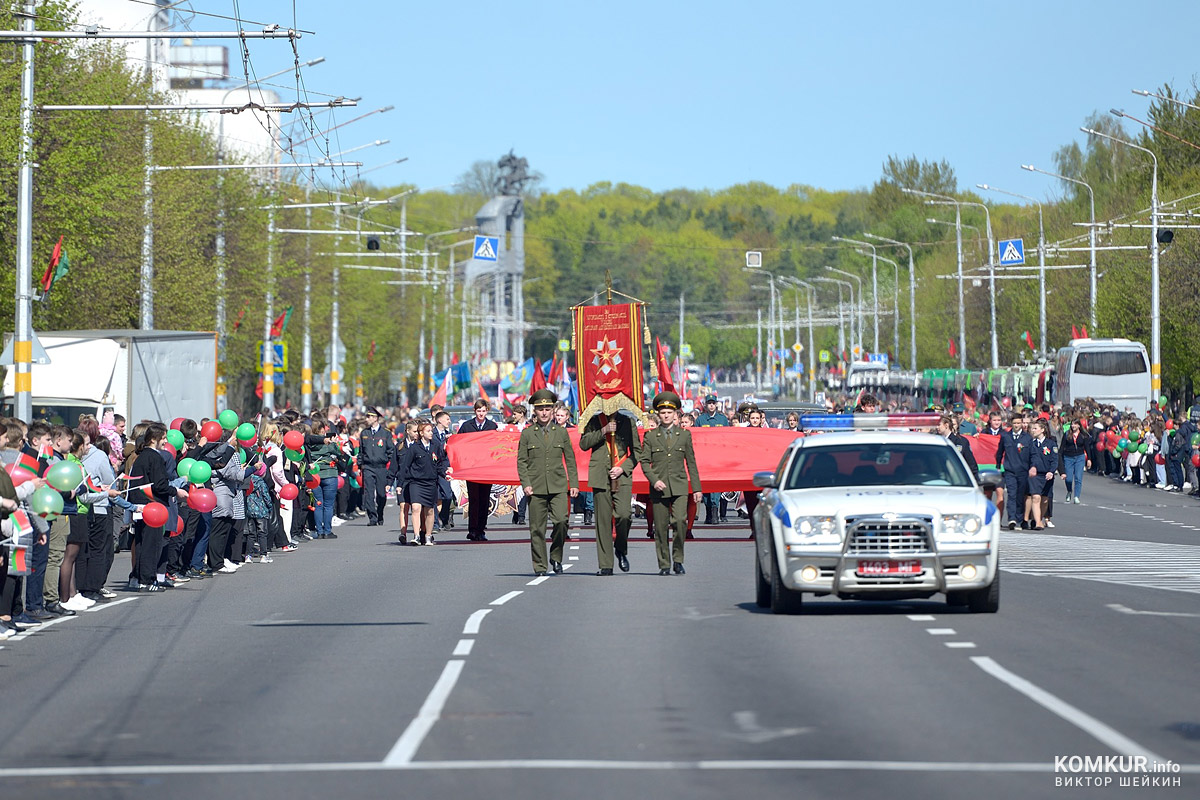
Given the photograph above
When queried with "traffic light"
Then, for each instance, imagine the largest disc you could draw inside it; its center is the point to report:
(372, 242)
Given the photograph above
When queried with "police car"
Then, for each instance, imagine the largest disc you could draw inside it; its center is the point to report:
(870, 509)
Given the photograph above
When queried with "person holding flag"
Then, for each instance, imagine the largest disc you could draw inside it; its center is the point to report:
(616, 450)
(478, 494)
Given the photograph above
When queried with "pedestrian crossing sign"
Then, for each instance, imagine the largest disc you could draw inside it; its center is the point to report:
(1012, 252)
(486, 248)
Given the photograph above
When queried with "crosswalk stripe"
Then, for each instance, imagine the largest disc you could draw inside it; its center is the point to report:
(1153, 565)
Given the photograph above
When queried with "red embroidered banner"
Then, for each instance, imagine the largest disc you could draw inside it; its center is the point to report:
(726, 457)
(608, 359)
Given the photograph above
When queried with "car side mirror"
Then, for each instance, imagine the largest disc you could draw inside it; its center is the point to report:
(990, 478)
(765, 480)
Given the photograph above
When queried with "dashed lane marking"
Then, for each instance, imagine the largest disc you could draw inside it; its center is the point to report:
(538, 581)
(960, 645)
(474, 621)
(463, 648)
(499, 601)
(921, 617)
(940, 631)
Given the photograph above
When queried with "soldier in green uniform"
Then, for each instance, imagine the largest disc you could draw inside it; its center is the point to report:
(610, 476)
(546, 467)
(668, 462)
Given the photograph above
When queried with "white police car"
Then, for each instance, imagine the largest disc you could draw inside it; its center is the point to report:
(881, 514)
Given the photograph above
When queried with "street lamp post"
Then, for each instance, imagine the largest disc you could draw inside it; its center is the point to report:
(859, 306)
(1091, 234)
(874, 283)
(1041, 259)
(995, 345)
(841, 324)
(1155, 311)
(912, 297)
(895, 303)
(810, 292)
(962, 309)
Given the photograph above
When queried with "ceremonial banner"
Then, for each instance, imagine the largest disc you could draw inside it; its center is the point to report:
(608, 359)
(726, 457)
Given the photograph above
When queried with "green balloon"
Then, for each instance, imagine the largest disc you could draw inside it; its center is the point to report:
(1162, 401)
(242, 455)
(246, 432)
(46, 503)
(228, 419)
(175, 438)
(64, 476)
(1196, 440)
(1066, 427)
(1143, 447)
(184, 467)
(200, 472)
(293, 455)
(1135, 434)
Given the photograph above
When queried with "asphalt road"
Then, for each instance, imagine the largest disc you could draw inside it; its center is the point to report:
(360, 668)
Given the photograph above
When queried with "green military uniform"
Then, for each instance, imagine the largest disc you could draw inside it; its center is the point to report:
(613, 499)
(546, 465)
(667, 455)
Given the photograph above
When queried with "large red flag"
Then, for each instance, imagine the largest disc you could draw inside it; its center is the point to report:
(556, 369)
(608, 359)
(664, 372)
(439, 397)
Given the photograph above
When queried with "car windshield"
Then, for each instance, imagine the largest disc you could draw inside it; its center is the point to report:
(891, 464)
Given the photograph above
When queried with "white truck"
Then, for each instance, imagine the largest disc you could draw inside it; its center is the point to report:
(138, 374)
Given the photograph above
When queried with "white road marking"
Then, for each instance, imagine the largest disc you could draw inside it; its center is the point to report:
(960, 645)
(574, 547)
(921, 617)
(750, 731)
(940, 631)
(1170, 567)
(795, 765)
(572, 558)
(538, 581)
(1085, 722)
(567, 566)
(26, 634)
(1126, 610)
(463, 648)
(109, 604)
(406, 746)
(499, 601)
(474, 621)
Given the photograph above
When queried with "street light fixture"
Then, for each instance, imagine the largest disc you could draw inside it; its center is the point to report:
(1155, 311)
(841, 305)
(1041, 259)
(874, 282)
(859, 306)
(912, 297)
(1091, 234)
(962, 308)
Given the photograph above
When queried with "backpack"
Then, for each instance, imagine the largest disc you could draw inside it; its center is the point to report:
(258, 501)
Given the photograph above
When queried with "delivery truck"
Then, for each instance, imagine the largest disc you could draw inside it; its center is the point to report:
(138, 374)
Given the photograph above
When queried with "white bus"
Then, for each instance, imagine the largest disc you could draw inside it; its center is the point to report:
(1110, 371)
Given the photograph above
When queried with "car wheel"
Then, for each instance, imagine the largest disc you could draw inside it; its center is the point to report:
(783, 599)
(762, 586)
(987, 599)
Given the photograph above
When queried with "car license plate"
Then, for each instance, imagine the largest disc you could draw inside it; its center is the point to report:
(889, 567)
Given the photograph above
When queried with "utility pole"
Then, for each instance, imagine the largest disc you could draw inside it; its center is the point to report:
(682, 365)
(306, 363)
(758, 371)
(23, 332)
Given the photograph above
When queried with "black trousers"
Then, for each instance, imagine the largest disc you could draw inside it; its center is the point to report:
(225, 541)
(91, 568)
(374, 492)
(479, 499)
(149, 543)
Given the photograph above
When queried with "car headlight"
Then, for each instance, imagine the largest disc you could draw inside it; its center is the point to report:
(814, 527)
(962, 525)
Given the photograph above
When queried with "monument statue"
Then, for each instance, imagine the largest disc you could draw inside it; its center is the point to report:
(514, 174)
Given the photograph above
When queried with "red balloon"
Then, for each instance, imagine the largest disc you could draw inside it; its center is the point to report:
(1158, 459)
(175, 423)
(1196, 460)
(290, 491)
(341, 482)
(201, 499)
(155, 515)
(170, 448)
(178, 526)
(1170, 425)
(312, 481)
(212, 431)
(293, 440)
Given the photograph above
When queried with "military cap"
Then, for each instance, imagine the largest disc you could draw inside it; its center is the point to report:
(543, 397)
(958, 408)
(712, 398)
(667, 400)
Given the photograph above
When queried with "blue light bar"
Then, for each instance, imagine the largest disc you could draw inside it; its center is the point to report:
(868, 422)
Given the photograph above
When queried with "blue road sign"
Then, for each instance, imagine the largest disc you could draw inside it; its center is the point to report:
(1012, 252)
(880, 358)
(486, 248)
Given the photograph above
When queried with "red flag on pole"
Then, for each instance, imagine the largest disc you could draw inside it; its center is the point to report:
(1074, 332)
(953, 347)
(538, 380)
(664, 372)
(1029, 340)
(439, 397)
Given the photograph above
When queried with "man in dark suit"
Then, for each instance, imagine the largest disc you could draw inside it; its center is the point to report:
(479, 495)
(441, 434)
(376, 451)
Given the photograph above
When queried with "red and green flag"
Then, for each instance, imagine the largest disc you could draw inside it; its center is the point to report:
(57, 268)
(92, 484)
(26, 463)
(1028, 340)
(18, 561)
(279, 326)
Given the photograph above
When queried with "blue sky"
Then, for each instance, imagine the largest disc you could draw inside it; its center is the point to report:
(704, 94)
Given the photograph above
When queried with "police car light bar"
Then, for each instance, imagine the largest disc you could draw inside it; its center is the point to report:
(868, 422)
